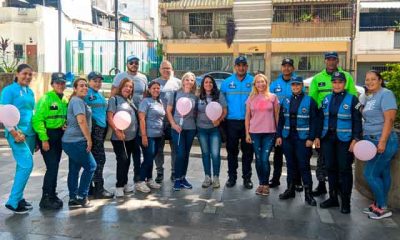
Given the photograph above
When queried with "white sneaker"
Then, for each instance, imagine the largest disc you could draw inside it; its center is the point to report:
(142, 187)
(207, 182)
(129, 188)
(152, 184)
(215, 182)
(119, 192)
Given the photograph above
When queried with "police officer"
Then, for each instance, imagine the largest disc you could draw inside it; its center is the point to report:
(296, 133)
(236, 90)
(98, 104)
(342, 127)
(48, 123)
(281, 87)
(320, 87)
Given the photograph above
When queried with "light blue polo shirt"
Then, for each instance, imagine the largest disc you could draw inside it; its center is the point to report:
(236, 93)
(98, 104)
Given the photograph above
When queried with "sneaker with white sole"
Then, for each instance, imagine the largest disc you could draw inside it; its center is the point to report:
(207, 182)
(215, 182)
(369, 209)
(142, 187)
(119, 192)
(379, 213)
(129, 188)
(152, 184)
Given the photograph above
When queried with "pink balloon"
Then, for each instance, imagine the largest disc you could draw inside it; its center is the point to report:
(9, 115)
(122, 120)
(183, 106)
(364, 150)
(213, 110)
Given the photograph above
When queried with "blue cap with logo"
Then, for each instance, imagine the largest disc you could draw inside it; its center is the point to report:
(132, 58)
(58, 77)
(298, 80)
(331, 55)
(338, 76)
(240, 59)
(94, 75)
(288, 61)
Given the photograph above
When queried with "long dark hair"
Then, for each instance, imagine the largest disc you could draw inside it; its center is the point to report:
(76, 85)
(20, 68)
(148, 90)
(214, 91)
(378, 74)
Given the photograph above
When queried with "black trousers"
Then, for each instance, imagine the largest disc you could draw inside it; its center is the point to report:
(339, 162)
(123, 159)
(98, 136)
(52, 159)
(236, 132)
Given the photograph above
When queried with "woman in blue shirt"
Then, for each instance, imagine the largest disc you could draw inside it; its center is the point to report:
(379, 113)
(22, 137)
(98, 104)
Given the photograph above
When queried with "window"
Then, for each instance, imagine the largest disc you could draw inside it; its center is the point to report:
(379, 20)
(397, 40)
(200, 23)
(18, 51)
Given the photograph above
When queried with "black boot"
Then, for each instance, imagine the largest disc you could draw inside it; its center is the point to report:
(100, 193)
(160, 177)
(47, 202)
(332, 201)
(57, 200)
(308, 196)
(320, 189)
(288, 193)
(345, 207)
(274, 182)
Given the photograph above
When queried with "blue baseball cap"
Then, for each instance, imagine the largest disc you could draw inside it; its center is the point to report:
(240, 59)
(331, 55)
(58, 77)
(132, 58)
(296, 80)
(338, 76)
(94, 75)
(288, 61)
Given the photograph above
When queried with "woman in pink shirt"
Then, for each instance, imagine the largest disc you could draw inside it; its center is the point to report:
(262, 115)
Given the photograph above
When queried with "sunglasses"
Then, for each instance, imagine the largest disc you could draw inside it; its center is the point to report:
(133, 63)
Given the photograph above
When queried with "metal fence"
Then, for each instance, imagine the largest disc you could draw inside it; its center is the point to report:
(85, 56)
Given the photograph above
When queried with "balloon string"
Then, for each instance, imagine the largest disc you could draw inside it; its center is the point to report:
(26, 144)
(126, 152)
(180, 124)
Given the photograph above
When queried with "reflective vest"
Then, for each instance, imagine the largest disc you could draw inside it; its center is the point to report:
(302, 120)
(344, 123)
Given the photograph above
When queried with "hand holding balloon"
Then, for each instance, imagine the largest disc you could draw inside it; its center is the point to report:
(364, 150)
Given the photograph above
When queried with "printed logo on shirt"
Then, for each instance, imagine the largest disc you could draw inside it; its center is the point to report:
(321, 84)
(370, 105)
(232, 85)
(278, 89)
(304, 110)
(345, 106)
(92, 98)
(248, 85)
(53, 106)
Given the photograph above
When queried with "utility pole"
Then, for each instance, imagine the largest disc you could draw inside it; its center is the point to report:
(59, 37)
(116, 33)
(353, 33)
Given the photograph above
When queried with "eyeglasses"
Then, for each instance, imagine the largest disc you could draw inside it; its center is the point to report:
(133, 63)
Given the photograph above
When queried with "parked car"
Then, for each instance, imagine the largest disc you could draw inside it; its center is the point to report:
(218, 76)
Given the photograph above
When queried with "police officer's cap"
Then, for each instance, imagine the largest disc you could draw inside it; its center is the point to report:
(298, 80)
(94, 75)
(338, 76)
(132, 58)
(331, 55)
(288, 61)
(240, 59)
(58, 77)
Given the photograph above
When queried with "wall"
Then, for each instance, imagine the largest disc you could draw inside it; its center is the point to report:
(374, 41)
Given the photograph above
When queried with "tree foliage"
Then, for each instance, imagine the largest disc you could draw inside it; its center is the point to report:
(392, 78)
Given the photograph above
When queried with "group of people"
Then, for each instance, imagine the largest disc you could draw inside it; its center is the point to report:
(259, 115)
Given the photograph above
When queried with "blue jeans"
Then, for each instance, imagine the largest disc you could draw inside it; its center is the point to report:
(262, 144)
(149, 153)
(79, 158)
(377, 170)
(23, 157)
(210, 144)
(182, 150)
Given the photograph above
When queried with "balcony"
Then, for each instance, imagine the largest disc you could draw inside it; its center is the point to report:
(23, 15)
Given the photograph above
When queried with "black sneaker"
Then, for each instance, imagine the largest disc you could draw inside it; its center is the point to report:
(230, 183)
(73, 203)
(25, 204)
(247, 183)
(273, 183)
(84, 202)
(19, 210)
(159, 179)
(299, 188)
(49, 203)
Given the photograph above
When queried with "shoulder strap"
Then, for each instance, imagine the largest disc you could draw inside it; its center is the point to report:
(174, 104)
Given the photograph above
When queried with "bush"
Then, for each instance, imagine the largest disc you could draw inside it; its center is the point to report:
(392, 78)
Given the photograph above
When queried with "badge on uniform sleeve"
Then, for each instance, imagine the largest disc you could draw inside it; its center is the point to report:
(321, 84)
(248, 85)
(345, 106)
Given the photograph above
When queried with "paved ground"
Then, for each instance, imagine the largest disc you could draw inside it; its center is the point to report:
(192, 214)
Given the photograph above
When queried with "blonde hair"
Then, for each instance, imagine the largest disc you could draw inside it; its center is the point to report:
(186, 76)
(255, 92)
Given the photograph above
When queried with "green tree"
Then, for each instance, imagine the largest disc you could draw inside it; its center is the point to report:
(392, 78)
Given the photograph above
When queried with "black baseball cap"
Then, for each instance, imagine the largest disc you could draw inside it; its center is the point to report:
(288, 61)
(331, 55)
(240, 59)
(94, 75)
(338, 76)
(58, 77)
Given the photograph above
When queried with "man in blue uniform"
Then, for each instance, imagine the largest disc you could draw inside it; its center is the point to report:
(236, 90)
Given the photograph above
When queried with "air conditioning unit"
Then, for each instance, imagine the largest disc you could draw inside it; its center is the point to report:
(22, 11)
